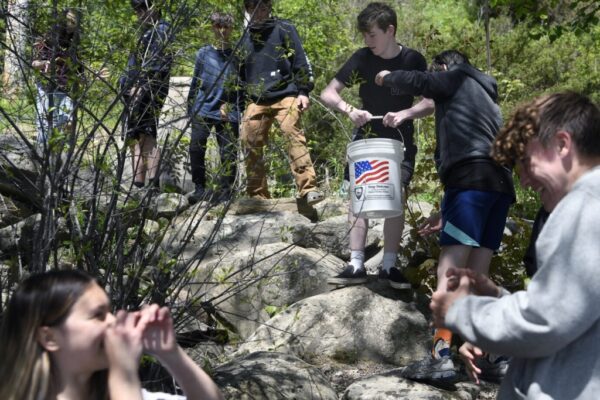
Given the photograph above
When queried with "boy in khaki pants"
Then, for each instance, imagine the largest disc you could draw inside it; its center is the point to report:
(278, 78)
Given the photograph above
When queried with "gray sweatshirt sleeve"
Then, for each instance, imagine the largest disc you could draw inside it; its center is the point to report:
(561, 302)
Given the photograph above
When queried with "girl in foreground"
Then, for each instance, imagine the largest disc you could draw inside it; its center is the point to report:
(59, 340)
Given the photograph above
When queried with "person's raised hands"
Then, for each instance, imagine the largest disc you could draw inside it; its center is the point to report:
(123, 341)
(159, 335)
(123, 346)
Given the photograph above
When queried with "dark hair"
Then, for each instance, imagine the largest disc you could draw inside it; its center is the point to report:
(43, 299)
(252, 4)
(448, 58)
(542, 118)
(223, 19)
(377, 14)
(141, 5)
(60, 35)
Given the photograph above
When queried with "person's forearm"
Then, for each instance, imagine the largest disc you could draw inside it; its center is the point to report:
(407, 82)
(124, 385)
(196, 383)
(334, 101)
(422, 109)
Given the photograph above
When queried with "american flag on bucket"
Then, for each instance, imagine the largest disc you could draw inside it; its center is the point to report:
(369, 171)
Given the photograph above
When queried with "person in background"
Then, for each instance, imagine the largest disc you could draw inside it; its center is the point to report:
(145, 86)
(55, 57)
(214, 102)
(278, 79)
(378, 24)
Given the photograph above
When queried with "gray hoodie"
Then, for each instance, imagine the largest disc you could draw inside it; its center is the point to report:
(553, 328)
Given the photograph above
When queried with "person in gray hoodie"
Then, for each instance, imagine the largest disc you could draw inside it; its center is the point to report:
(477, 190)
(552, 328)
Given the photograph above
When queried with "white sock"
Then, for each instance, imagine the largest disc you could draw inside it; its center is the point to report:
(389, 261)
(357, 259)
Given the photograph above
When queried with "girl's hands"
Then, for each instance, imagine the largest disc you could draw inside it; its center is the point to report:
(158, 336)
(123, 341)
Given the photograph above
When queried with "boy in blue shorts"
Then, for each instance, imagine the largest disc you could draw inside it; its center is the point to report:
(478, 191)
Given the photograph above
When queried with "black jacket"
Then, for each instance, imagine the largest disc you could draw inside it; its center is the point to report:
(466, 114)
(149, 65)
(274, 64)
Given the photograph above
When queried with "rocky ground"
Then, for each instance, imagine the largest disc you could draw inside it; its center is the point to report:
(288, 335)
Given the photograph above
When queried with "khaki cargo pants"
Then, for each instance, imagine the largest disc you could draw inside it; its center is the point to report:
(256, 123)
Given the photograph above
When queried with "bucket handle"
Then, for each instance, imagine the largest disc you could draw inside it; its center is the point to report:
(401, 137)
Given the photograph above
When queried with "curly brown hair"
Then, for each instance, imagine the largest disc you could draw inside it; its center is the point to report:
(542, 118)
(510, 142)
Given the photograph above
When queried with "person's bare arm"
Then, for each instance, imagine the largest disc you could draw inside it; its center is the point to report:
(159, 340)
(422, 109)
(123, 345)
(332, 99)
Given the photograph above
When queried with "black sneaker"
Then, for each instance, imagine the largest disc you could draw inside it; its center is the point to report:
(395, 278)
(224, 196)
(431, 369)
(349, 277)
(493, 368)
(200, 194)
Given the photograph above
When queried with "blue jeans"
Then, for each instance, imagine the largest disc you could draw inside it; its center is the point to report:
(60, 112)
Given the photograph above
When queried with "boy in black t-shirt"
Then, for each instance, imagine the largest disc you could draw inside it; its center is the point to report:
(377, 22)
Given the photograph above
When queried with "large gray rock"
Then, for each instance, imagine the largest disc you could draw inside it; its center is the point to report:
(361, 322)
(229, 235)
(272, 376)
(18, 173)
(255, 283)
(19, 236)
(173, 124)
(332, 236)
(390, 386)
(10, 213)
(167, 205)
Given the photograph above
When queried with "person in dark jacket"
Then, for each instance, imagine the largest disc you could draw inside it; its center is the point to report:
(146, 85)
(55, 56)
(214, 103)
(478, 191)
(278, 78)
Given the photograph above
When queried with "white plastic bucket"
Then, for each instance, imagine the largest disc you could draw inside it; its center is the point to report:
(375, 177)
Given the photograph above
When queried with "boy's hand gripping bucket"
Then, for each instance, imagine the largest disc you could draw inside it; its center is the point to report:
(375, 177)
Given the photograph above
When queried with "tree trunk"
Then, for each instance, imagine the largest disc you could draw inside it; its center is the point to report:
(15, 62)
(488, 52)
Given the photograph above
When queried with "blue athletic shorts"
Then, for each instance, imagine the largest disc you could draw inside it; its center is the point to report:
(474, 217)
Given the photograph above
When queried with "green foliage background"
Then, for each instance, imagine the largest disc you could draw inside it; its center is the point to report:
(536, 47)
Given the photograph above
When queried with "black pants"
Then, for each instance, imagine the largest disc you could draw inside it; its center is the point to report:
(226, 134)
